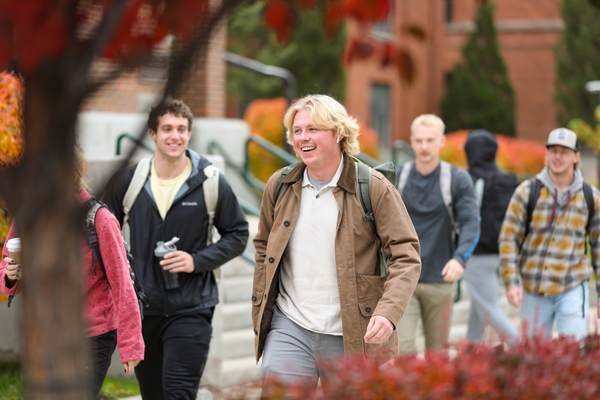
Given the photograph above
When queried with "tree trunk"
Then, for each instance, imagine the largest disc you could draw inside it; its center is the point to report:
(41, 193)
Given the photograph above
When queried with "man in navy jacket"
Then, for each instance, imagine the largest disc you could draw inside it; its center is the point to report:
(177, 324)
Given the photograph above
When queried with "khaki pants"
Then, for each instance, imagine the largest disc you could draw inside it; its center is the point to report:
(433, 303)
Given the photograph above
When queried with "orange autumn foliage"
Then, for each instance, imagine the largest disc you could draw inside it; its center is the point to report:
(521, 157)
(265, 117)
(11, 140)
(369, 141)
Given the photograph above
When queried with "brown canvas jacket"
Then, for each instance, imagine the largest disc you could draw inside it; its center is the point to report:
(363, 293)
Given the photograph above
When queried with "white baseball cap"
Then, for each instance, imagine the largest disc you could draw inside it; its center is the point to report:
(563, 137)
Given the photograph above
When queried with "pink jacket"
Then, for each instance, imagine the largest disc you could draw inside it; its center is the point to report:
(106, 307)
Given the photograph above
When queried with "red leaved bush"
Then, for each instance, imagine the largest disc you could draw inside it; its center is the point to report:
(534, 369)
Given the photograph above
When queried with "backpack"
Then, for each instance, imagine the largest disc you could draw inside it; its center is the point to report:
(210, 188)
(494, 189)
(534, 195)
(403, 172)
(91, 237)
(363, 189)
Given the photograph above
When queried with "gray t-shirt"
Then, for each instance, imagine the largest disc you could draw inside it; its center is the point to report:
(317, 184)
(422, 197)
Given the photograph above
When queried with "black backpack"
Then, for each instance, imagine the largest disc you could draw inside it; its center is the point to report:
(363, 189)
(91, 237)
(534, 195)
(497, 192)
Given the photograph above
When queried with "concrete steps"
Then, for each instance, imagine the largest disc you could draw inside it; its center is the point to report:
(240, 370)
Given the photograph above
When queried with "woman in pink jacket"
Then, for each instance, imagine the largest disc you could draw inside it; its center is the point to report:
(111, 308)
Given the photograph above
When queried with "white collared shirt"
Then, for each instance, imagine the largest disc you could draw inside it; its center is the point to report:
(308, 288)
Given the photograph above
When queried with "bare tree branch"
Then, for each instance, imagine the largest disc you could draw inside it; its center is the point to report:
(103, 34)
(182, 63)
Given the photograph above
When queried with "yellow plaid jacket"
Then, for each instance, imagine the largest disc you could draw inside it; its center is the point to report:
(551, 259)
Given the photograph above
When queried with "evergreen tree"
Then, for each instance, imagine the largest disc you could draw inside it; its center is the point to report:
(479, 94)
(577, 61)
(314, 58)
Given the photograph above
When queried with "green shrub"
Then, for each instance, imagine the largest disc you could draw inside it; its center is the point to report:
(577, 55)
(479, 94)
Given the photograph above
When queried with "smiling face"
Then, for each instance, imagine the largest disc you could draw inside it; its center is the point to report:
(427, 141)
(172, 137)
(561, 160)
(317, 147)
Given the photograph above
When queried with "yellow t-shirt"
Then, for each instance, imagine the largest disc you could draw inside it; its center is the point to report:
(164, 191)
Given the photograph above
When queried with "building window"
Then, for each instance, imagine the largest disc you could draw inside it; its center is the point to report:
(380, 114)
(449, 11)
(384, 26)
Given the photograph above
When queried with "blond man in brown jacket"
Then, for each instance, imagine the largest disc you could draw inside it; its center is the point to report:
(317, 291)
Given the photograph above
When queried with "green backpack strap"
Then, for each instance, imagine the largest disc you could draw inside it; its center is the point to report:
(363, 189)
(280, 186)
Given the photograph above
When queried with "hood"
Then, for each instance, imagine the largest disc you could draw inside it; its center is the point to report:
(481, 148)
(561, 199)
(198, 162)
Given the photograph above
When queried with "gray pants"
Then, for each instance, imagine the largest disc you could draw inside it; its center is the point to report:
(481, 277)
(292, 353)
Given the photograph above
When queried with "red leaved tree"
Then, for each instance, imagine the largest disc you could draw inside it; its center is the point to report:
(54, 44)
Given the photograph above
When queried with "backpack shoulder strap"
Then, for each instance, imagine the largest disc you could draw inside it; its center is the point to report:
(404, 172)
(280, 186)
(91, 235)
(534, 195)
(135, 187)
(364, 182)
(446, 188)
(363, 188)
(589, 199)
(210, 188)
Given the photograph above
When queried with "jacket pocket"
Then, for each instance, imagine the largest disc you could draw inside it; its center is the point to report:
(258, 293)
(369, 286)
(260, 279)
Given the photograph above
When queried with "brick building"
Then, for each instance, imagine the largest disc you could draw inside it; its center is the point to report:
(527, 31)
(135, 91)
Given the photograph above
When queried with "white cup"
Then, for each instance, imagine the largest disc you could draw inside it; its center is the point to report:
(14, 249)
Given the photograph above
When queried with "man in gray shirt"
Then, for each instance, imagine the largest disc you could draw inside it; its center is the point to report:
(439, 198)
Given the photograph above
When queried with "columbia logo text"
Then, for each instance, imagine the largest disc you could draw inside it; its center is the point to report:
(189, 203)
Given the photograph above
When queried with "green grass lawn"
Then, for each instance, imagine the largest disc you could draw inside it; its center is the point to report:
(11, 384)
(119, 388)
(11, 381)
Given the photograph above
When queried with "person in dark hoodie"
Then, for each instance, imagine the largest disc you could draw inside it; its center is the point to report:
(177, 324)
(493, 190)
(545, 251)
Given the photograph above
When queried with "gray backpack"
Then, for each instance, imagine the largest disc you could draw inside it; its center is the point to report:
(445, 186)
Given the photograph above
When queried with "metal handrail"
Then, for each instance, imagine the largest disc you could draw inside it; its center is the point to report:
(402, 146)
(269, 70)
(248, 258)
(271, 148)
(133, 139)
(248, 208)
(367, 159)
(255, 183)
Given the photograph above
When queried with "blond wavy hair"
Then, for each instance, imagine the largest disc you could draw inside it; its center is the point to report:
(325, 113)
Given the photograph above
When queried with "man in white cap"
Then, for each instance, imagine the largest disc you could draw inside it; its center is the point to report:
(543, 243)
